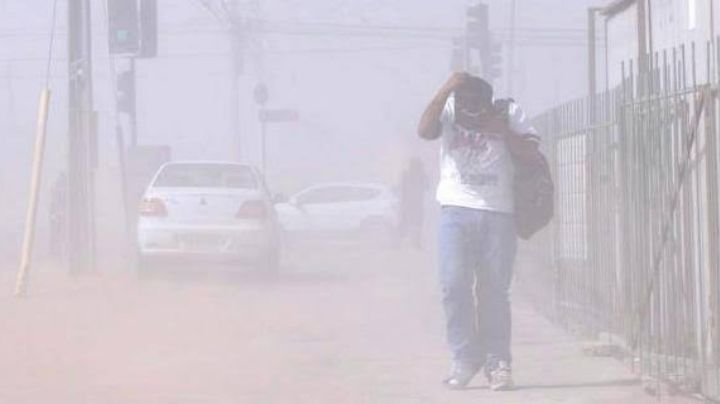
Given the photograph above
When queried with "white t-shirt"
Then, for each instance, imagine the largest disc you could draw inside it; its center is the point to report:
(476, 169)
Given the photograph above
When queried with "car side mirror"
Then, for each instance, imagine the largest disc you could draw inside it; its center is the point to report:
(279, 198)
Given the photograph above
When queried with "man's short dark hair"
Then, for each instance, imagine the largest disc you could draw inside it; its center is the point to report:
(480, 87)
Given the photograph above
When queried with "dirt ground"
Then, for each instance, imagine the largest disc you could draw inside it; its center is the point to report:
(339, 325)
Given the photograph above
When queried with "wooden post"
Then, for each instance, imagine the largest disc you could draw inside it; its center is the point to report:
(37, 165)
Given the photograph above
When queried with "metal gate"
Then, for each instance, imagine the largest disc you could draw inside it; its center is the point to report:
(636, 235)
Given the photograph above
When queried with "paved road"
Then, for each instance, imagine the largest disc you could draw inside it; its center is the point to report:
(340, 326)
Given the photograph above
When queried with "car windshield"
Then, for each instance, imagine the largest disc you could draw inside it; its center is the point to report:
(338, 194)
(206, 176)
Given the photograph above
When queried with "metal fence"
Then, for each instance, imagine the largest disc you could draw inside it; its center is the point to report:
(635, 251)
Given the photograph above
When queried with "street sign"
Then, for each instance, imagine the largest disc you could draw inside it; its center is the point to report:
(278, 115)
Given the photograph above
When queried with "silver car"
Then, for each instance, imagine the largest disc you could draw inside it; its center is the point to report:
(340, 210)
(208, 211)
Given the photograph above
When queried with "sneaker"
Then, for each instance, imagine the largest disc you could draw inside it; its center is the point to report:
(500, 377)
(460, 376)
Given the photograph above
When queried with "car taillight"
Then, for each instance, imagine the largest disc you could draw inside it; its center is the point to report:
(253, 210)
(154, 207)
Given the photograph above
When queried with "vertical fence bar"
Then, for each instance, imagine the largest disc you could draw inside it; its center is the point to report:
(716, 269)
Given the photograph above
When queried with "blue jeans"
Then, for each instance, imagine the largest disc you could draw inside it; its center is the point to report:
(477, 253)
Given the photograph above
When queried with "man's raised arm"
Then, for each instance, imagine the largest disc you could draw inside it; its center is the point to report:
(430, 127)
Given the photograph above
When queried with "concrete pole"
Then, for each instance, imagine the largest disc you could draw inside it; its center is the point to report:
(642, 36)
(712, 21)
(237, 68)
(80, 178)
(590, 168)
(713, 66)
(235, 96)
(607, 55)
(649, 29)
(511, 52)
(592, 53)
(132, 114)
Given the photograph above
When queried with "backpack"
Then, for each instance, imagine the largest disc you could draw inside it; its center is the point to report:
(534, 190)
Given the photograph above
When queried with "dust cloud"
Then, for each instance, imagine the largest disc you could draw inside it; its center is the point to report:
(351, 310)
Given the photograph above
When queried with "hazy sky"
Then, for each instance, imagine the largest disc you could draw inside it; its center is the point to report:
(359, 89)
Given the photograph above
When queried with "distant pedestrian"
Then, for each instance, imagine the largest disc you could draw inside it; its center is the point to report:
(477, 235)
(58, 216)
(413, 186)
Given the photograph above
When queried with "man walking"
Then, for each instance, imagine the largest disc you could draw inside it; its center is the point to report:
(477, 240)
(58, 216)
(413, 186)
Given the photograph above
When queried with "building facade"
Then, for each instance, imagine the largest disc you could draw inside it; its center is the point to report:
(636, 27)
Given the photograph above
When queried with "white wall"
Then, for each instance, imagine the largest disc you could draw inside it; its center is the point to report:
(672, 26)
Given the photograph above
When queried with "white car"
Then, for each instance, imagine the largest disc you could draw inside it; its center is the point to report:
(208, 210)
(340, 209)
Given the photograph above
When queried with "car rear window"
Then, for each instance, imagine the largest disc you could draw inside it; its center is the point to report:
(206, 176)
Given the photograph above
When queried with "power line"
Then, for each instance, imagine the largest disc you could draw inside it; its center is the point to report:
(356, 50)
(424, 29)
(360, 27)
(526, 40)
(276, 26)
(521, 43)
(223, 18)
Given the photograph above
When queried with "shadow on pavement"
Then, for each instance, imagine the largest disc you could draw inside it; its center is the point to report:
(607, 383)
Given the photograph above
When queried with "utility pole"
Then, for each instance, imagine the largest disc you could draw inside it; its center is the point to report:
(237, 67)
(713, 42)
(592, 52)
(592, 146)
(511, 50)
(81, 237)
(237, 63)
(132, 113)
(642, 36)
(712, 21)
(649, 32)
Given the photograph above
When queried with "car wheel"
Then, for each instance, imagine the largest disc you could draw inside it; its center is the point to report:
(143, 265)
(378, 229)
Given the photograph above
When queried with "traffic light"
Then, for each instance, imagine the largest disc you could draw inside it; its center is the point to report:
(124, 26)
(126, 92)
(133, 30)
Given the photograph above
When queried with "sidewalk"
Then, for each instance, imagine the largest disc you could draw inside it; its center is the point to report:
(549, 364)
(549, 367)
